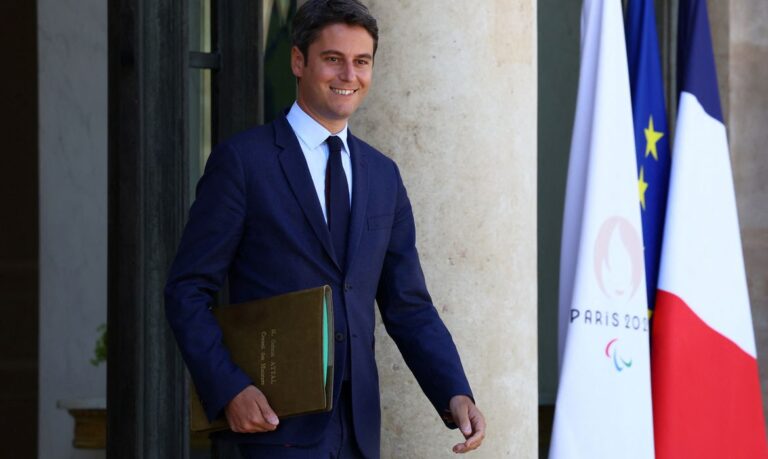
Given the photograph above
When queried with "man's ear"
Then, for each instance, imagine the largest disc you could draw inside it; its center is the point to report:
(297, 62)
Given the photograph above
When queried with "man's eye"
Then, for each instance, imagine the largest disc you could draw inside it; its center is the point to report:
(332, 59)
(362, 62)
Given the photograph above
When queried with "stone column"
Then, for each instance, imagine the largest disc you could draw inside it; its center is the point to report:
(454, 103)
(748, 118)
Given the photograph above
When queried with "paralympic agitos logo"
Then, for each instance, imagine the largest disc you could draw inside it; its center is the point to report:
(612, 351)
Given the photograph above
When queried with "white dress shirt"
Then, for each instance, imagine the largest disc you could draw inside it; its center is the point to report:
(312, 135)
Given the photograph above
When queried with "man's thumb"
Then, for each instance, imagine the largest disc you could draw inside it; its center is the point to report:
(270, 416)
(267, 412)
(464, 424)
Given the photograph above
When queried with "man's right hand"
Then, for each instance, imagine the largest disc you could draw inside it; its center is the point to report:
(249, 412)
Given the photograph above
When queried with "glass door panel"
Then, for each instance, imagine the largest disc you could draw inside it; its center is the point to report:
(279, 82)
(199, 128)
(199, 93)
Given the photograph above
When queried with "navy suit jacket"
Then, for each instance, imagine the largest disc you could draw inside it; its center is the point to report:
(257, 221)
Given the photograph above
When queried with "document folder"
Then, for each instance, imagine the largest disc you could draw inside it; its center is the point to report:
(285, 345)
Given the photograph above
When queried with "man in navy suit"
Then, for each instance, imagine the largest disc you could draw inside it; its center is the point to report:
(299, 203)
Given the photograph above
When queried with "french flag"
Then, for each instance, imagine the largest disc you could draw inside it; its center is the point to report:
(706, 391)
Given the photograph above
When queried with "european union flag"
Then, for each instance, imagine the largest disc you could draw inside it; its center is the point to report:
(651, 134)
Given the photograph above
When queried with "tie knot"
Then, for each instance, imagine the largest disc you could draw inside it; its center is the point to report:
(334, 144)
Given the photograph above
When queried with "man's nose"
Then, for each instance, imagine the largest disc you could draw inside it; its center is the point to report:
(347, 72)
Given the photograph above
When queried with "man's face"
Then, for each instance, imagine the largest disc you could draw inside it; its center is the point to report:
(337, 74)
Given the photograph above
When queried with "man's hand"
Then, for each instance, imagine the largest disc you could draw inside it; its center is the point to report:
(250, 412)
(470, 421)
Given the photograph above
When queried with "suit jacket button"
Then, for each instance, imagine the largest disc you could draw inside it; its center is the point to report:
(339, 336)
(347, 286)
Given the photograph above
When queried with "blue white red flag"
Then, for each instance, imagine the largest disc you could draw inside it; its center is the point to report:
(706, 391)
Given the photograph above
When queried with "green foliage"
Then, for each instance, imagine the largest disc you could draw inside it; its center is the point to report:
(100, 350)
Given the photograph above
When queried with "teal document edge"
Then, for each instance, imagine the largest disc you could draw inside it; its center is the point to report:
(325, 340)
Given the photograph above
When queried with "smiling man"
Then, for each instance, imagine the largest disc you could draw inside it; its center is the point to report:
(299, 203)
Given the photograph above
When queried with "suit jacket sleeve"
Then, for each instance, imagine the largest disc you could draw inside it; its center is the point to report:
(412, 320)
(207, 247)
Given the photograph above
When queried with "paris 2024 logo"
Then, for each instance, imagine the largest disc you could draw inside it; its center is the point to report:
(618, 259)
(617, 266)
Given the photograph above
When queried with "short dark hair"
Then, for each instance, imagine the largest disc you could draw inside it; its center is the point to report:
(314, 15)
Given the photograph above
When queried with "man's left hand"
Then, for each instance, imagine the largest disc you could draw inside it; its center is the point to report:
(470, 421)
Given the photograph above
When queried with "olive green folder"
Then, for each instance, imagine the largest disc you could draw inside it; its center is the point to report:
(285, 345)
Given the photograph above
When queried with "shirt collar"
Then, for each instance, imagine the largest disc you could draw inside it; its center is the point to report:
(309, 131)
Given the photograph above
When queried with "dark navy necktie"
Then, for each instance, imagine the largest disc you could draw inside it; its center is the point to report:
(337, 199)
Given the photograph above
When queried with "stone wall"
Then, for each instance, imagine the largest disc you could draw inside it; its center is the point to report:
(72, 59)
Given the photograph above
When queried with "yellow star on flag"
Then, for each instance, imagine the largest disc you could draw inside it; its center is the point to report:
(651, 137)
(642, 185)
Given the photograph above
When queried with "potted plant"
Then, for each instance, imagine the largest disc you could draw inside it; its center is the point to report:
(90, 414)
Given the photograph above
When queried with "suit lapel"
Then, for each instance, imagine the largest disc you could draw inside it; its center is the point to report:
(359, 196)
(296, 171)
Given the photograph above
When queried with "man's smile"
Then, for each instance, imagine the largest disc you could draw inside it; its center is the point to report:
(343, 92)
